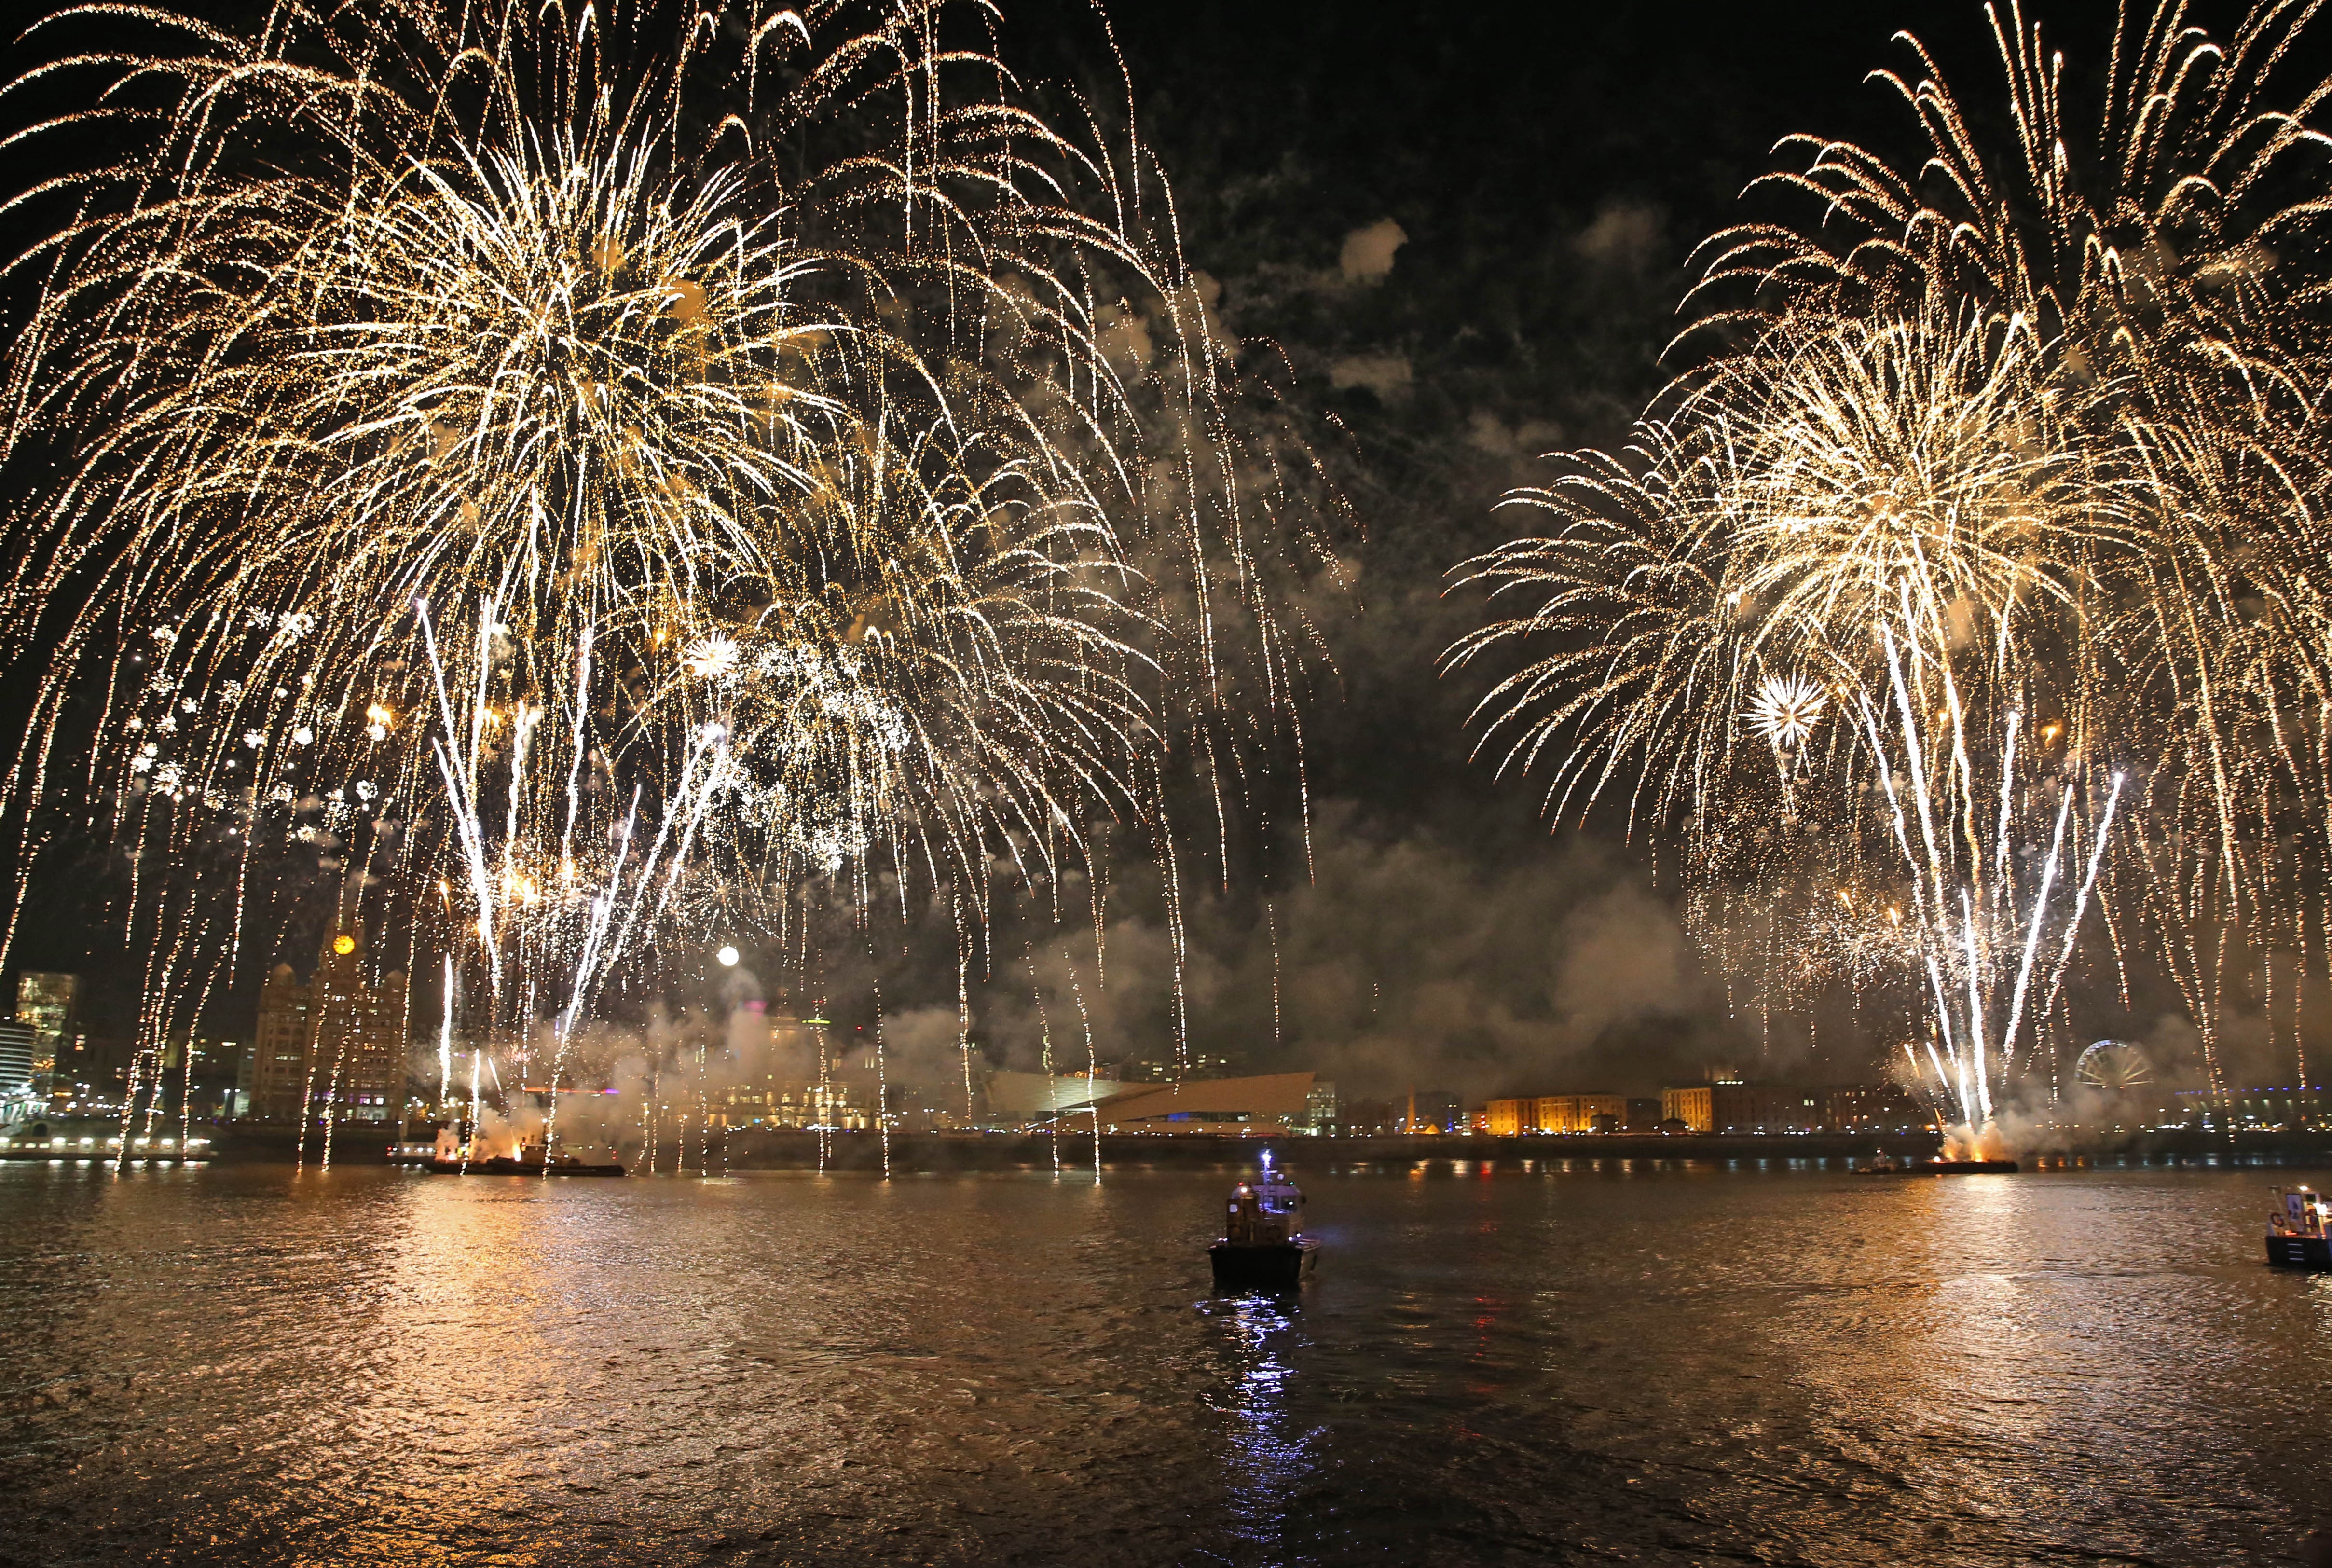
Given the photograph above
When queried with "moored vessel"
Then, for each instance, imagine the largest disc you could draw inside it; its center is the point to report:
(2299, 1228)
(1263, 1245)
(449, 1157)
(502, 1165)
(1880, 1165)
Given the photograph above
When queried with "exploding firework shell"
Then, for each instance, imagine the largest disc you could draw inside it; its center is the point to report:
(774, 379)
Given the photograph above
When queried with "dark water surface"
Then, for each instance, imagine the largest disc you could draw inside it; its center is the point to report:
(1663, 1364)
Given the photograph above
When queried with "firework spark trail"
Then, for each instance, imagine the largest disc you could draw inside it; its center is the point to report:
(2039, 905)
(2082, 902)
(445, 1041)
(1093, 1069)
(1045, 1048)
(477, 1106)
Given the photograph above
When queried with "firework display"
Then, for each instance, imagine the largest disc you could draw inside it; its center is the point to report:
(585, 474)
(1964, 604)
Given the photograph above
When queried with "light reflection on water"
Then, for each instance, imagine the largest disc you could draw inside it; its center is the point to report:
(1268, 1452)
(1636, 1363)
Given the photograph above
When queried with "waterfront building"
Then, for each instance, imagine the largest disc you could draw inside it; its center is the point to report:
(1768, 1108)
(1561, 1114)
(1690, 1106)
(91, 1073)
(1579, 1112)
(19, 1045)
(782, 1103)
(335, 1041)
(1271, 1105)
(1739, 1107)
(1016, 1100)
(280, 1047)
(1369, 1118)
(2292, 1108)
(48, 1004)
(1435, 1111)
(1875, 1108)
(1322, 1111)
(1197, 1064)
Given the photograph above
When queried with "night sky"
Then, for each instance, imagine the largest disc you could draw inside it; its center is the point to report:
(1549, 170)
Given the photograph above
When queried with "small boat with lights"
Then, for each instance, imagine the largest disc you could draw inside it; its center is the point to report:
(523, 1158)
(2299, 1228)
(1263, 1245)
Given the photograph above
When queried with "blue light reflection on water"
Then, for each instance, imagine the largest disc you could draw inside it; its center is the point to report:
(1626, 1363)
(1269, 1453)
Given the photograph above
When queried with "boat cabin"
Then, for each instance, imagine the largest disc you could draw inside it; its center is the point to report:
(1267, 1211)
(2299, 1211)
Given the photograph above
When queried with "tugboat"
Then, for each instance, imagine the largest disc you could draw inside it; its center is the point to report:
(1262, 1247)
(2299, 1228)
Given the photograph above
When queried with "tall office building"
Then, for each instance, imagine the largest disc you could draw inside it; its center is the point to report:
(335, 1039)
(17, 1049)
(49, 1004)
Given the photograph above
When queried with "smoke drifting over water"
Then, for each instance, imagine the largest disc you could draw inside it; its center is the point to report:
(1404, 960)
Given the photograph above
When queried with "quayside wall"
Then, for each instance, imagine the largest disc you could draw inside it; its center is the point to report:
(761, 1149)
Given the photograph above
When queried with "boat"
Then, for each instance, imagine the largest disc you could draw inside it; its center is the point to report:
(447, 1159)
(503, 1165)
(1263, 1245)
(1883, 1166)
(2299, 1228)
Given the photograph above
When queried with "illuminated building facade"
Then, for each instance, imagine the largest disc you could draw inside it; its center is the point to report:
(18, 1044)
(1692, 1105)
(1197, 1064)
(1739, 1107)
(780, 1072)
(1269, 1107)
(1555, 1114)
(1323, 1112)
(2290, 1108)
(49, 1005)
(335, 1039)
(1875, 1108)
(1580, 1112)
(775, 1102)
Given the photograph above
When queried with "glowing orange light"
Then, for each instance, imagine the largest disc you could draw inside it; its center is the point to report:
(344, 945)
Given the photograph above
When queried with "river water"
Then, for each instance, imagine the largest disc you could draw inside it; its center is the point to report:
(1631, 1363)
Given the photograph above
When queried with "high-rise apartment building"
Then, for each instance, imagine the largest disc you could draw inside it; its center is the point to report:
(48, 1004)
(17, 1050)
(334, 1040)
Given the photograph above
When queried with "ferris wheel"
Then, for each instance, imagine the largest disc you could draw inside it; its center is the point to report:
(2113, 1065)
